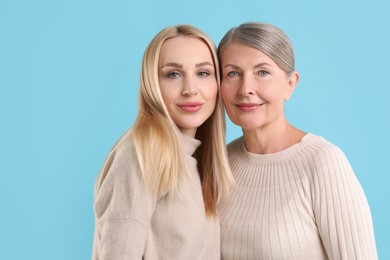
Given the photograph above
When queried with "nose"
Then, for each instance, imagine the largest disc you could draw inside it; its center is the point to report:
(246, 88)
(189, 87)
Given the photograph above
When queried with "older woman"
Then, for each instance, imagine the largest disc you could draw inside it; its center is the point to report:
(297, 196)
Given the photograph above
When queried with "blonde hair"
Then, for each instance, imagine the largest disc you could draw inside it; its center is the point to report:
(267, 38)
(158, 141)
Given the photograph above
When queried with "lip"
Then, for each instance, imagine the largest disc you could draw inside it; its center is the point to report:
(190, 106)
(248, 107)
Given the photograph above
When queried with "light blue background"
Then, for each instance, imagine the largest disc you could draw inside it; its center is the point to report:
(69, 75)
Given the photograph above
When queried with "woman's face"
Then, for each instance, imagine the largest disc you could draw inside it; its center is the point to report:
(187, 81)
(254, 87)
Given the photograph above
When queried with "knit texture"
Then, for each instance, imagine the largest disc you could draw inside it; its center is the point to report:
(135, 223)
(304, 202)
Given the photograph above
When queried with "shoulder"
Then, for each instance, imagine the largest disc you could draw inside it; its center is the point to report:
(327, 162)
(120, 165)
(120, 191)
(123, 154)
(234, 146)
(321, 151)
(124, 150)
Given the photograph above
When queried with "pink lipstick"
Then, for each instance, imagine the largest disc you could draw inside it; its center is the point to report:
(190, 106)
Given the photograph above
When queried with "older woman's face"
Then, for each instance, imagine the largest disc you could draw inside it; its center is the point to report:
(187, 81)
(254, 87)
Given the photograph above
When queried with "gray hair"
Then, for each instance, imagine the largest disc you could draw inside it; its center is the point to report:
(266, 38)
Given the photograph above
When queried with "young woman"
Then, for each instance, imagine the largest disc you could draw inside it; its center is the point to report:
(157, 192)
(297, 196)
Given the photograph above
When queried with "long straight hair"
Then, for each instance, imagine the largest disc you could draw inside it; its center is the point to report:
(158, 141)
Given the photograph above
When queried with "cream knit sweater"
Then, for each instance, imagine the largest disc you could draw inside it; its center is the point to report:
(132, 223)
(301, 203)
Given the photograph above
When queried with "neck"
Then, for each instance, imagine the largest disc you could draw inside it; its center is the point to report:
(188, 132)
(272, 138)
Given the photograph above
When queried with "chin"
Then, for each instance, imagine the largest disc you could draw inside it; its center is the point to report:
(246, 124)
(192, 125)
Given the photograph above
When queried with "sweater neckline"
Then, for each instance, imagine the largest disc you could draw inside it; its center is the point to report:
(274, 157)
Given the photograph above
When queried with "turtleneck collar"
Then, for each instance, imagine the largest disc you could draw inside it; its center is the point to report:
(190, 144)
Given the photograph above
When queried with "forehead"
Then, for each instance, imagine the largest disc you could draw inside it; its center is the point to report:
(185, 46)
(238, 53)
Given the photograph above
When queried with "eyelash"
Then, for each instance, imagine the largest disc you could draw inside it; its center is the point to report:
(173, 74)
(203, 73)
(233, 74)
(263, 73)
(176, 74)
(230, 74)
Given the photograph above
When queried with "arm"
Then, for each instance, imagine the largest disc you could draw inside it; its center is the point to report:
(341, 210)
(123, 209)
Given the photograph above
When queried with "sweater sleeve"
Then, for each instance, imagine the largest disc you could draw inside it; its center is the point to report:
(123, 208)
(341, 210)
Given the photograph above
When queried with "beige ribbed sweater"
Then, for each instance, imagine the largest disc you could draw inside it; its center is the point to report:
(301, 203)
(132, 223)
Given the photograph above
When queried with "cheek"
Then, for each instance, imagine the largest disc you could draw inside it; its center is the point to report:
(211, 90)
(168, 95)
(164, 94)
(225, 94)
(272, 92)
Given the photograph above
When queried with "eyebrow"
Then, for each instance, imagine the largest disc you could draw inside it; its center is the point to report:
(262, 64)
(256, 66)
(172, 64)
(180, 66)
(205, 63)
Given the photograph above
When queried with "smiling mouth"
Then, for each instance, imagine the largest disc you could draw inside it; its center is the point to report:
(247, 107)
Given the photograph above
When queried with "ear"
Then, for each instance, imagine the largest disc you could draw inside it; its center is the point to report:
(291, 84)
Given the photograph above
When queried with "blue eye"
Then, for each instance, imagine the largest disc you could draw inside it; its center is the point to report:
(263, 73)
(173, 74)
(203, 73)
(232, 74)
